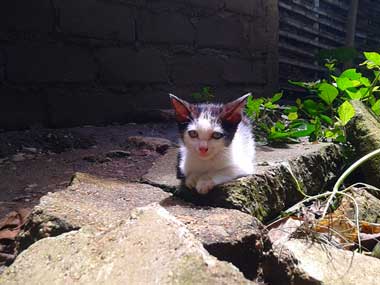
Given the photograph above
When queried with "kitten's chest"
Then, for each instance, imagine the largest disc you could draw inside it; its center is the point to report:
(194, 165)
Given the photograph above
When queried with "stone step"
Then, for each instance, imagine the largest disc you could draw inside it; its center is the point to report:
(103, 204)
(272, 189)
(149, 247)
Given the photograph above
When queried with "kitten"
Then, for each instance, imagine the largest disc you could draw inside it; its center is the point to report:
(216, 142)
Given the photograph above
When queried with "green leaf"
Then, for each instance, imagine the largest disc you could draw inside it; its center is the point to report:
(345, 83)
(351, 74)
(327, 93)
(253, 106)
(290, 109)
(373, 57)
(280, 126)
(341, 139)
(356, 94)
(327, 119)
(311, 107)
(304, 131)
(376, 107)
(346, 112)
(292, 116)
(298, 83)
(365, 81)
(276, 97)
(278, 135)
(330, 134)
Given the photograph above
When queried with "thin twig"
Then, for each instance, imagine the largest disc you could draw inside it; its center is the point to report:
(345, 175)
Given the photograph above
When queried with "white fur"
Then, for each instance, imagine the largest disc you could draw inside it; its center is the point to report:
(222, 163)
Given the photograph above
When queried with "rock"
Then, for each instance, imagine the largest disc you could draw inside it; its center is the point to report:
(90, 201)
(163, 172)
(369, 206)
(87, 201)
(118, 153)
(272, 189)
(364, 134)
(151, 247)
(160, 145)
(301, 262)
(228, 234)
(30, 149)
(18, 157)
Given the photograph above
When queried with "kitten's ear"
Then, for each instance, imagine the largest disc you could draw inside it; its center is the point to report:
(232, 112)
(181, 108)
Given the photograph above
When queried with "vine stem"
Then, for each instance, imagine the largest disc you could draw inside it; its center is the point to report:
(345, 175)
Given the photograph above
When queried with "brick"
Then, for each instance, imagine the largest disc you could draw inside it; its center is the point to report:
(165, 28)
(121, 65)
(26, 15)
(245, 71)
(49, 64)
(20, 108)
(246, 7)
(74, 107)
(212, 4)
(99, 19)
(219, 32)
(2, 66)
(199, 69)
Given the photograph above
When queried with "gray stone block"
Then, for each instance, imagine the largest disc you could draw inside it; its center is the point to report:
(212, 4)
(49, 64)
(221, 32)
(74, 107)
(165, 28)
(25, 15)
(126, 65)
(20, 108)
(199, 69)
(245, 71)
(246, 7)
(91, 18)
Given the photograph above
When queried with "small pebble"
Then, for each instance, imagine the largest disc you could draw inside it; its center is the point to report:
(18, 157)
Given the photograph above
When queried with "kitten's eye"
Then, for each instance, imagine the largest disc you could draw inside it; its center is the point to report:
(217, 135)
(193, 134)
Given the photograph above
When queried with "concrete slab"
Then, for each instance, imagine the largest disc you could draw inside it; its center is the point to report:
(150, 247)
(272, 189)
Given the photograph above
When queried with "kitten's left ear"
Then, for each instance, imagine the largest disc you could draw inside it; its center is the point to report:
(181, 108)
(232, 112)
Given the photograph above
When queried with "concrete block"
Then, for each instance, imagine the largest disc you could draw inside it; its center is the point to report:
(20, 109)
(245, 7)
(165, 28)
(99, 19)
(200, 69)
(212, 4)
(221, 32)
(74, 107)
(127, 65)
(49, 64)
(245, 71)
(25, 15)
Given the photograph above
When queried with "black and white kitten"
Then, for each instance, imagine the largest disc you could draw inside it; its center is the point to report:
(216, 142)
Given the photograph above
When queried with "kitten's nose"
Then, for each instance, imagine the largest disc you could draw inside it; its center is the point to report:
(203, 150)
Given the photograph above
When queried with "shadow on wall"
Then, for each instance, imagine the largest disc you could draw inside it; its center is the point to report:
(69, 62)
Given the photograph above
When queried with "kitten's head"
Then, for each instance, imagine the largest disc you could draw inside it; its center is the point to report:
(206, 129)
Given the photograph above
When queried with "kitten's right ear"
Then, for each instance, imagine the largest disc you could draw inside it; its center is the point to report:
(181, 108)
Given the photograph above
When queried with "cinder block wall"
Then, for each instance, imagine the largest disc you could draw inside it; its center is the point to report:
(74, 62)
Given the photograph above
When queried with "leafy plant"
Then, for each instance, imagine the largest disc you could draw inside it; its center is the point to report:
(325, 112)
(203, 96)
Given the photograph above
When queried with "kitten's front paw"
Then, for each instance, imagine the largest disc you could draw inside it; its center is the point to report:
(204, 185)
(191, 180)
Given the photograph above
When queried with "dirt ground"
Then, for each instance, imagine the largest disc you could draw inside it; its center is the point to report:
(38, 161)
